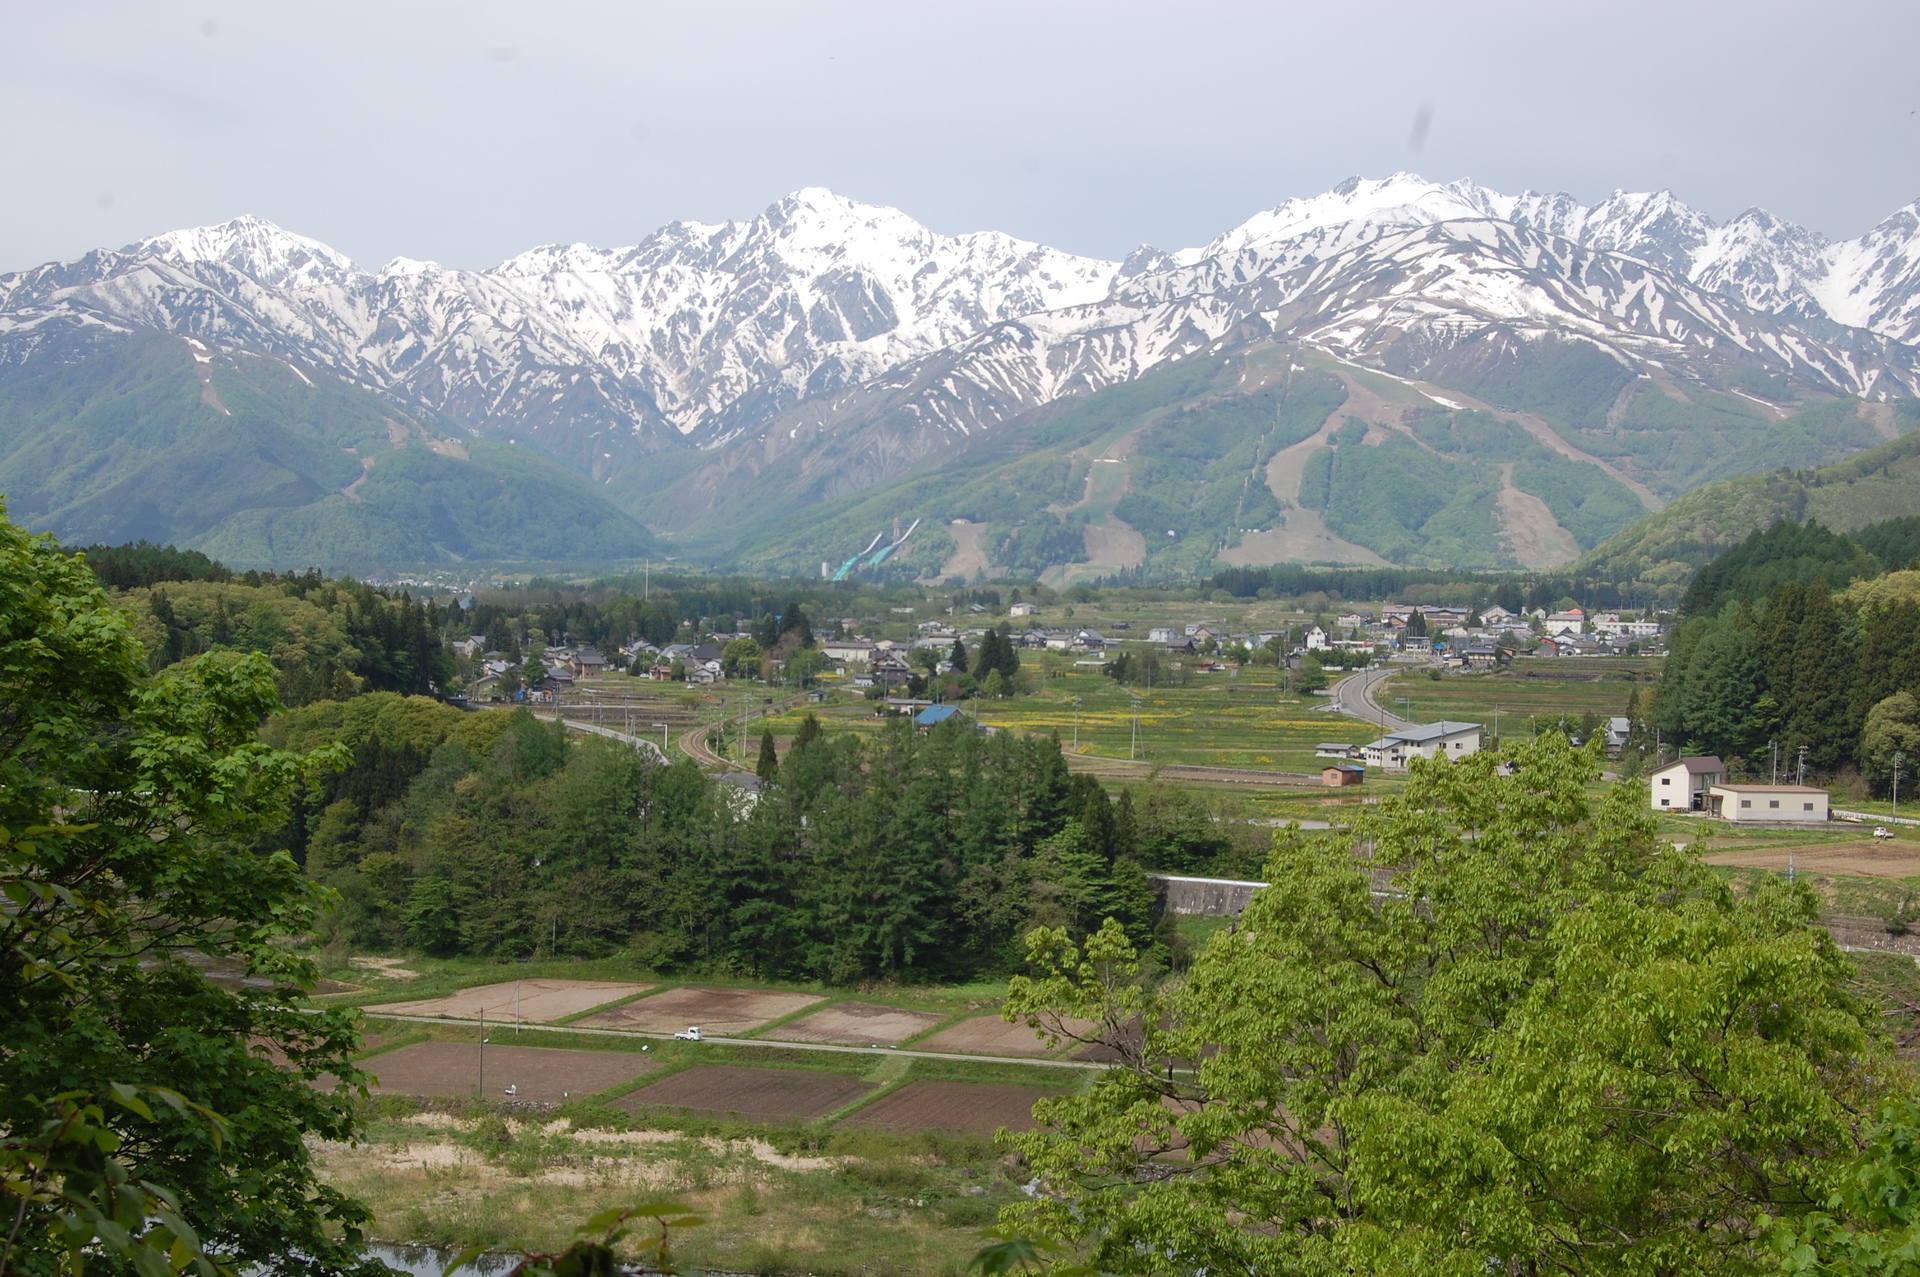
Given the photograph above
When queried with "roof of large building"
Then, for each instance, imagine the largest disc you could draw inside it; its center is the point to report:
(1771, 789)
(1701, 765)
(1422, 733)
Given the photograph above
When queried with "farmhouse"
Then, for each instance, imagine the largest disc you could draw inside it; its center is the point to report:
(1768, 804)
(1683, 786)
(1571, 621)
(1427, 740)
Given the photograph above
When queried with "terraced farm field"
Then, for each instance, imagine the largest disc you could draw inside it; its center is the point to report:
(1219, 719)
(1530, 696)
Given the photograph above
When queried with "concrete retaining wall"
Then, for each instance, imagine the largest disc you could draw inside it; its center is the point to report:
(1215, 897)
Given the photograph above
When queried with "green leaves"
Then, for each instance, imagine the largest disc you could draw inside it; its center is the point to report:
(1494, 1027)
(67, 1194)
(1870, 1227)
(594, 1255)
(1009, 1252)
(129, 806)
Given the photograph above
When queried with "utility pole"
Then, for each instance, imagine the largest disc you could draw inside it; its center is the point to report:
(1076, 724)
(1898, 758)
(663, 741)
(483, 1054)
(1801, 778)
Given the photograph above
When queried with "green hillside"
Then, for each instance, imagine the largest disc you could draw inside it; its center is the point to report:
(1872, 487)
(1180, 466)
(1673, 437)
(264, 465)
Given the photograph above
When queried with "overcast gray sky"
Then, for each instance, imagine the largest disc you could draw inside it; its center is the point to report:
(467, 132)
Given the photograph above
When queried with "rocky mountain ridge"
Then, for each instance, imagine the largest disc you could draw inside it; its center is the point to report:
(839, 345)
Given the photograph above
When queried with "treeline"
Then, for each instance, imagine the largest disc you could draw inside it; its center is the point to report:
(1781, 652)
(327, 640)
(1510, 591)
(908, 855)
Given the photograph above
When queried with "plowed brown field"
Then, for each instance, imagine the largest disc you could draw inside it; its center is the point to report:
(535, 1001)
(767, 1094)
(717, 1012)
(858, 1024)
(990, 1035)
(1863, 859)
(540, 1075)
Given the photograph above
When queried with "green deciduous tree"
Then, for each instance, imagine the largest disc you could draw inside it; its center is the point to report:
(132, 809)
(1496, 1028)
(1893, 727)
(740, 659)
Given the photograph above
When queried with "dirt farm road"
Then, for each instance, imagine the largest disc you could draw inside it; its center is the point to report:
(782, 1044)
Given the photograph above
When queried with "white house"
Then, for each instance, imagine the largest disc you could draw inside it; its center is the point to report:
(857, 651)
(1316, 639)
(1161, 634)
(1022, 609)
(1571, 621)
(1684, 786)
(1428, 740)
(1769, 804)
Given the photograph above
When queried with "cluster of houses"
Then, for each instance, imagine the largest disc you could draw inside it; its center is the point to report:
(564, 665)
(1699, 785)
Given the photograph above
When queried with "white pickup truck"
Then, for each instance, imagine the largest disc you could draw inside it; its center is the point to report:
(689, 1034)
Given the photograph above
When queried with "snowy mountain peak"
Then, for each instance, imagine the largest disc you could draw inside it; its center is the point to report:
(711, 331)
(255, 247)
(1403, 199)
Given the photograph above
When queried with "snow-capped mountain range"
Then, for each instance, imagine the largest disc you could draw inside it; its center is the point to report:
(825, 316)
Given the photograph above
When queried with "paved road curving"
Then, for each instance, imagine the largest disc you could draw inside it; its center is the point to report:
(1354, 695)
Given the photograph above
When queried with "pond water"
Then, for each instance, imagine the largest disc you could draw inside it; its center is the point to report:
(431, 1261)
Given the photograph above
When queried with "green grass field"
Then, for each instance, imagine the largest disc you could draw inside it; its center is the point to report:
(1217, 719)
(1524, 698)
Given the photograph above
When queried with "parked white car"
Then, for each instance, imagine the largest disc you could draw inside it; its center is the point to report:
(1881, 831)
(690, 1034)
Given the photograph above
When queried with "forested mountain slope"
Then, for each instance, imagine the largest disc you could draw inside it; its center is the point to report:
(1879, 484)
(263, 464)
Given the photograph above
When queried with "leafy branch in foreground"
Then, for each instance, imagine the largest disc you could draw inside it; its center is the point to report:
(593, 1255)
(1495, 1028)
(134, 861)
(65, 1189)
(1871, 1225)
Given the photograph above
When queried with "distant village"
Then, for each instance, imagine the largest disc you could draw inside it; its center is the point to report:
(1456, 637)
(848, 652)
